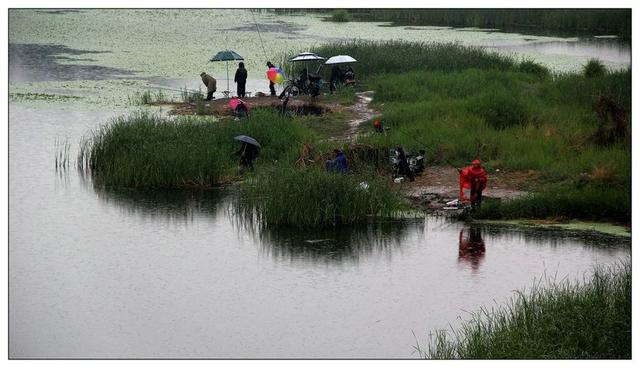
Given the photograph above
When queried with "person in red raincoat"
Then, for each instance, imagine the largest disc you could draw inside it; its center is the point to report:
(474, 178)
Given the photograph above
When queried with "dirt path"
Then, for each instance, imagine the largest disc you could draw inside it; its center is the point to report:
(362, 112)
(439, 184)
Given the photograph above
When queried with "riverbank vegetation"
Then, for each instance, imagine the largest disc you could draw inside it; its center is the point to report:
(148, 151)
(574, 21)
(555, 321)
(570, 131)
(313, 197)
(514, 116)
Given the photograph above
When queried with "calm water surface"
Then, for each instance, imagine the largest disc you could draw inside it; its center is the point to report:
(100, 273)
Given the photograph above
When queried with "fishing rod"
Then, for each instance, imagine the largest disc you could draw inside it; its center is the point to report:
(259, 35)
(177, 90)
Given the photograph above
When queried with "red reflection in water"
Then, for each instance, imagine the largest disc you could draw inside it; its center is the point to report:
(471, 248)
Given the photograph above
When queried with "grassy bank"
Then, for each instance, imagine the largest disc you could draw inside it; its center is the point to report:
(148, 151)
(558, 321)
(376, 57)
(517, 119)
(312, 197)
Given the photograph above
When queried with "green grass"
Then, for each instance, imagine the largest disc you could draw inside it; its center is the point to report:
(148, 151)
(591, 202)
(382, 57)
(311, 198)
(514, 121)
(555, 321)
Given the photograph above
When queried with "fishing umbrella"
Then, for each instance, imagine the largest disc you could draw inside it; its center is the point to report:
(340, 59)
(226, 55)
(248, 140)
(305, 57)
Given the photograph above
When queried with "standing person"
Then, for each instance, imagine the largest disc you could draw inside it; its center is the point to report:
(474, 178)
(272, 89)
(241, 79)
(403, 164)
(210, 82)
(349, 76)
(336, 75)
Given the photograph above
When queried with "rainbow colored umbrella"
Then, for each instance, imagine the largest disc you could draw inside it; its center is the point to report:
(276, 75)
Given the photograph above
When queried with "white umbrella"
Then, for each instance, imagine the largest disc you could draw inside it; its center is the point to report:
(306, 56)
(340, 59)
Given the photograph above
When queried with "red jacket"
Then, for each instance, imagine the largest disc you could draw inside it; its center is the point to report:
(469, 175)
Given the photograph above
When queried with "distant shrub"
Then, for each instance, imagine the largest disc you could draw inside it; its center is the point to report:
(340, 15)
(594, 68)
(531, 67)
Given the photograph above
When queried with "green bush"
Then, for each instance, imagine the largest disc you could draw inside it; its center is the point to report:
(594, 68)
(531, 67)
(340, 15)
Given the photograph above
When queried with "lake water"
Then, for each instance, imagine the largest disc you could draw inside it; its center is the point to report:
(97, 273)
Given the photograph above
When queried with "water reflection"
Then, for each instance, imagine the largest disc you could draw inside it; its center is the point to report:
(170, 205)
(336, 245)
(471, 247)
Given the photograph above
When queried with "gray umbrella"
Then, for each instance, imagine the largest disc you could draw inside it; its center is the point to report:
(226, 55)
(247, 139)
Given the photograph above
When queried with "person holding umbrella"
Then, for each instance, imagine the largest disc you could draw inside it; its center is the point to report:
(336, 76)
(272, 89)
(248, 152)
(210, 82)
(241, 79)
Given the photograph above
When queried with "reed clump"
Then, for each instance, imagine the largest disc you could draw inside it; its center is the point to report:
(312, 197)
(143, 150)
(591, 320)
(378, 57)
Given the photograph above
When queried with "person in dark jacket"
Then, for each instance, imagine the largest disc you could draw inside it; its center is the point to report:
(404, 168)
(272, 88)
(248, 154)
(338, 164)
(336, 76)
(241, 79)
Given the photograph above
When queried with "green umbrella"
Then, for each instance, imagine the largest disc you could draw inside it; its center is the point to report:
(226, 55)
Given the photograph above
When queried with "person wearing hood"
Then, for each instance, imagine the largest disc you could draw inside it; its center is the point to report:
(241, 79)
(210, 82)
(339, 163)
(474, 178)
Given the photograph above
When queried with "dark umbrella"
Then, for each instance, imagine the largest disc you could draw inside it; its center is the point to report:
(226, 55)
(248, 140)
